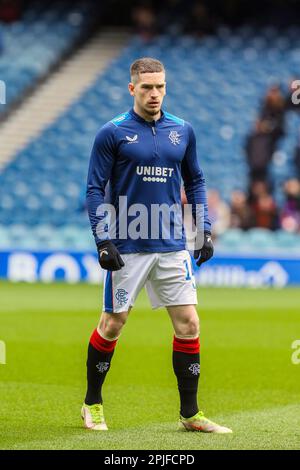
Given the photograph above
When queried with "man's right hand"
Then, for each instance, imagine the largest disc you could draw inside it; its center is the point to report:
(109, 256)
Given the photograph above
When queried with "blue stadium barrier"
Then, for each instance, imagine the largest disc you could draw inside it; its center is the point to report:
(73, 267)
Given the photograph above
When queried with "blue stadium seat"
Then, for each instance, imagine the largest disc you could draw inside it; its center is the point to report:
(36, 42)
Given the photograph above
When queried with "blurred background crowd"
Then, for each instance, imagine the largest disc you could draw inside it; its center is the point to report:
(256, 206)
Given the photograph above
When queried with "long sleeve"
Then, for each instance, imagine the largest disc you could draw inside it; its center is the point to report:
(101, 163)
(194, 184)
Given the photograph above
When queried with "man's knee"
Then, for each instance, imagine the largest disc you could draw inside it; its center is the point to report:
(111, 325)
(188, 327)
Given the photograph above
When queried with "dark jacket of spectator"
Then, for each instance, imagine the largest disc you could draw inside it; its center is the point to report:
(259, 151)
(273, 113)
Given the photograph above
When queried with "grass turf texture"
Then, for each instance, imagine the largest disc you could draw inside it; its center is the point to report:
(247, 379)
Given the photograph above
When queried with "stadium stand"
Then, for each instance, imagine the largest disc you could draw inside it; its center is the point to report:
(50, 99)
(33, 45)
(216, 84)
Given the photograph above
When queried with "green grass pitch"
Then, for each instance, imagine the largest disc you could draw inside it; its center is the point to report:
(248, 381)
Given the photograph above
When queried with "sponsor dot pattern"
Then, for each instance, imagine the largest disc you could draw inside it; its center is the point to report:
(153, 179)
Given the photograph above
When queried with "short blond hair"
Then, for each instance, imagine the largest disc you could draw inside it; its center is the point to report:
(145, 65)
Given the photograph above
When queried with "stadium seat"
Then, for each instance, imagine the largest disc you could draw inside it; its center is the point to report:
(37, 41)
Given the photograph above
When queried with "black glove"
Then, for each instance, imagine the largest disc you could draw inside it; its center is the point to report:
(109, 256)
(206, 251)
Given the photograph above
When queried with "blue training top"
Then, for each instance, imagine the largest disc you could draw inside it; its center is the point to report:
(144, 161)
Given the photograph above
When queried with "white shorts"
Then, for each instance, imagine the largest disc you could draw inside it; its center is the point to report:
(168, 279)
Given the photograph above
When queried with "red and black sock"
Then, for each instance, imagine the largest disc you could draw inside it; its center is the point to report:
(100, 353)
(186, 364)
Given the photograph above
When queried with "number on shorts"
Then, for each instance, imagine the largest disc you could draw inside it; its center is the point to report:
(188, 270)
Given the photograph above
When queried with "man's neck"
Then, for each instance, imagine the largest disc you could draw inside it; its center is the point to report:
(146, 116)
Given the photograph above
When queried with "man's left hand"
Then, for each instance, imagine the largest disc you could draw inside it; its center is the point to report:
(206, 251)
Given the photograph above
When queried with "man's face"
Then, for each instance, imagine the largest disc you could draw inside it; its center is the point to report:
(149, 92)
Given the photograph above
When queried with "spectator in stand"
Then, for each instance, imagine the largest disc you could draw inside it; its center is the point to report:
(265, 212)
(241, 213)
(269, 128)
(144, 20)
(10, 10)
(199, 22)
(263, 206)
(273, 113)
(172, 16)
(259, 151)
(290, 216)
(219, 212)
(257, 189)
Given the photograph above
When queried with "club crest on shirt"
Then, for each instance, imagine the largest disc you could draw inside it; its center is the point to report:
(174, 137)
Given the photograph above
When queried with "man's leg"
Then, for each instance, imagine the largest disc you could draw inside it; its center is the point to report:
(186, 356)
(186, 363)
(120, 290)
(100, 352)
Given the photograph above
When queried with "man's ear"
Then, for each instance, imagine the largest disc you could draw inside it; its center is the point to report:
(131, 88)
